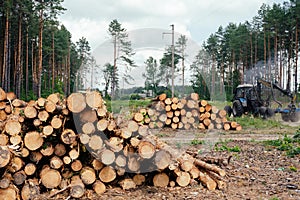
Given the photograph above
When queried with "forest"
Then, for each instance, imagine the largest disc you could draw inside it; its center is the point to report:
(38, 56)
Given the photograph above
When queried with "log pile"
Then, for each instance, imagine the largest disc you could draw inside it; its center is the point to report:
(186, 113)
(74, 145)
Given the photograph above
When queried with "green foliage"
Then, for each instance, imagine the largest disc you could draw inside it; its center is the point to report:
(293, 169)
(288, 144)
(116, 106)
(197, 142)
(223, 146)
(258, 123)
(30, 96)
(135, 97)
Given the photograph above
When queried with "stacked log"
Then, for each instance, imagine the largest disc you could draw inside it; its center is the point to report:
(187, 113)
(68, 145)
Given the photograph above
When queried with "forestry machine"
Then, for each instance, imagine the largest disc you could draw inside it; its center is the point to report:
(248, 99)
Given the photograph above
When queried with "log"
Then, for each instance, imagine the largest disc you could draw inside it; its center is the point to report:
(12, 127)
(127, 184)
(143, 130)
(133, 163)
(226, 126)
(50, 178)
(133, 126)
(88, 115)
(95, 143)
(84, 138)
(11, 96)
(47, 130)
(183, 179)
(76, 102)
(50, 106)
(68, 136)
(41, 102)
(126, 133)
(194, 96)
(102, 112)
(146, 149)
(16, 164)
(56, 162)
(43, 115)
(3, 115)
(97, 165)
(55, 98)
(107, 157)
(33, 140)
(88, 128)
(35, 156)
(94, 99)
(162, 97)
(162, 159)
(15, 140)
(30, 112)
(2, 94)
(3, 139)
(139, 179)
(56, 122)
(107, 174)
(161, 180)
(30, 190)
(99, 187)
(73, 154)
(88, 175)
(102, 124)
(121, 161)
(77, 187)
(59, 149)
(76, 165)
(19, 177)
(47, 149)
(37, 122)
(67, 160)
(9, 193)
(138, 117)
(209, 167)
(207, 181)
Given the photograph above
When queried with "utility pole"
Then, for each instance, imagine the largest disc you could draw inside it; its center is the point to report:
(173, 49)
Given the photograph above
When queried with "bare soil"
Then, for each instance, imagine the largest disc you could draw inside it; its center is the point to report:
(256, 172)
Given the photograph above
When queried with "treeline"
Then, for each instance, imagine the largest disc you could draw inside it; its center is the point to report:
(37, 56)
(267, 46)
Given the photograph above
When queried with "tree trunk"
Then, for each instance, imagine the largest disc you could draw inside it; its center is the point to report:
(5, 53)
(53, 62)
(26, 64)
(40, 54)
(296, 57)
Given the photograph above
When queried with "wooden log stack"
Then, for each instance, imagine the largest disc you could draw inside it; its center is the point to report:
(74, 145)
(186, 113)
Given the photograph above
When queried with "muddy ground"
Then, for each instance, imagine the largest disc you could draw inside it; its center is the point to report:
(257, 171)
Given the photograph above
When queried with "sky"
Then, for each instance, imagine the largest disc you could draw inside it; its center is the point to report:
(147, 20)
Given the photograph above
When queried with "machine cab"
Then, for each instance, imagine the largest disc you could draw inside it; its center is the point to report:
(242, 90)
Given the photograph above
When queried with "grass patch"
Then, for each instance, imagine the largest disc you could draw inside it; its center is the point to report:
(132, 105)
(196, 142)
(223, 146)
(291, 145)
(293, 169)
(258, 123)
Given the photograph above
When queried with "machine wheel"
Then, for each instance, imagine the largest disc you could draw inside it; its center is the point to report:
(263, 112)
(228, 110)
(270, 112)
(237, 108)
(295, 117)
(285, 117)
